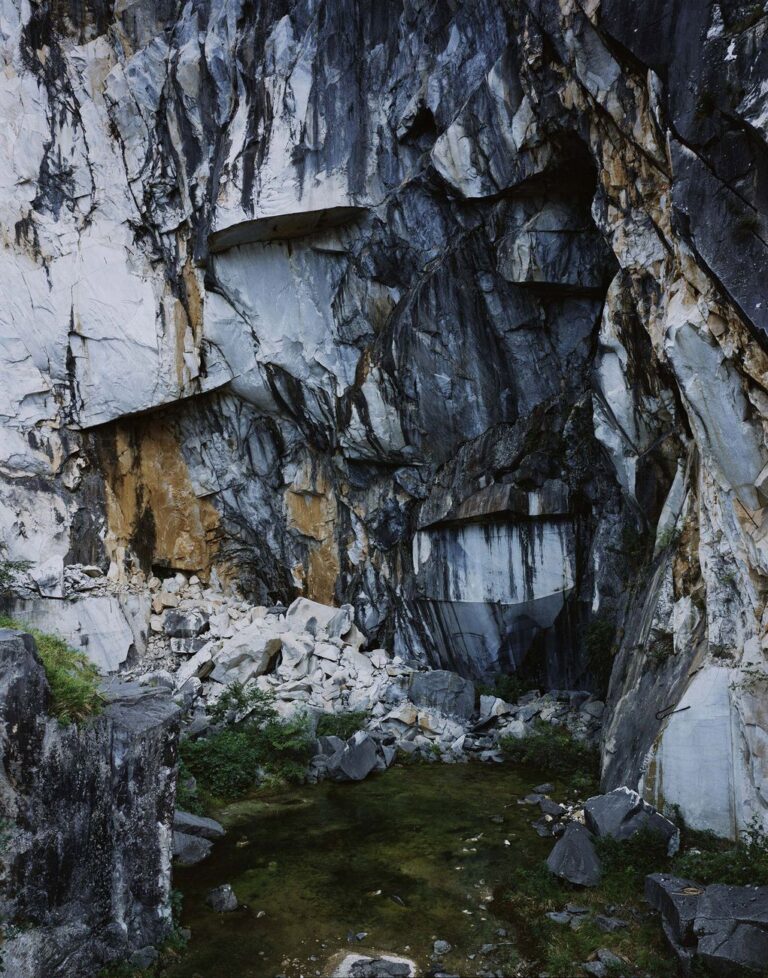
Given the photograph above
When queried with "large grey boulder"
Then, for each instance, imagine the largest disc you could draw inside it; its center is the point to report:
(222, 899)
(622, 812)
(204, 828)
(444, 691)
(185, 624)
(574, 858)
(731, 928)
(725, 926)
(188, 850)
(355, 760)
(677, 901)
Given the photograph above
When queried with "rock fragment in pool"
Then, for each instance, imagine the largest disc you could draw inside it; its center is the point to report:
(188, 850)
(198, 825)
(222, 899)
(381, 966)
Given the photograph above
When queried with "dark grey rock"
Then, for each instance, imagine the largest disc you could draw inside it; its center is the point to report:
(379, 968)
(144, 958)
(731, 928)
(188, 850)
(622, 812)
(355, 760)
(677, 901)
(444, 691)
(552, 808)
(609, 924)
(185, 624)
(441, 947)
(205, 828)
(222, 899)
(88, 827)
(574, 858)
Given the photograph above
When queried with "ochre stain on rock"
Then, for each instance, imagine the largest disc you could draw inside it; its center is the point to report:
(153, 512)
(311, 510)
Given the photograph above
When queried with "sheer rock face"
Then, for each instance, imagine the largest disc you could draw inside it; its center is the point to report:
(87, 823)
(431, 308)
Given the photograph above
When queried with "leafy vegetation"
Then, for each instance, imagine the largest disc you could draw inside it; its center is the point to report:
(9, 569)
(341, 724)
(552, 752)
(627, 863)
(507, 687)
(712, 860)
(252, 742)
(73, 679)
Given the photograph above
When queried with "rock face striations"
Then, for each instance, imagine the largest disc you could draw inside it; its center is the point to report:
(452, 312)
(87, 819)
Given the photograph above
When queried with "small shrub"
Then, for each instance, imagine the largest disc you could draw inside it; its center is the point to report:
(9, 569)
(626, 863)
(660, 650)
(553, 752)
(239, 702)
(507, 687)
(252, 739)
(715, 860)
(225, 763)
(72, 677)
(341, 724)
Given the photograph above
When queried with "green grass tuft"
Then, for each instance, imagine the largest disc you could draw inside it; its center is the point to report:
(341, 724)
(73, 678)
(554, 753)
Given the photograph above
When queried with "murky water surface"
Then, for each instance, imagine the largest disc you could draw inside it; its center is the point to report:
(405, 858)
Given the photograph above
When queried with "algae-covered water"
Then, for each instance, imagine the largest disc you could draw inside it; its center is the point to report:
(404, 858)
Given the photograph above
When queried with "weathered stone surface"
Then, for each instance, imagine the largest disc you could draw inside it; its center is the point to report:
(189, 824)
(622, 812)
(355, 760)
(444, 691)
(88, 813)
(574, 858)
(188, 850)
(185, 624)
(222, 899)
(441, 356)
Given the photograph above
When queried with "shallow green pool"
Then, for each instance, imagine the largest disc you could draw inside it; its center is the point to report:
(405, 858)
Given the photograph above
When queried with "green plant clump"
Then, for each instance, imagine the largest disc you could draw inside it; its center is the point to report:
(554, 753)
(507, 687)
(252, 740)
(72, 677)
(714, 860)
(341, 724)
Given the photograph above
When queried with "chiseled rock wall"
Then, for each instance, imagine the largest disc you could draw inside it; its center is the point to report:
(430, 308)
(87, 819)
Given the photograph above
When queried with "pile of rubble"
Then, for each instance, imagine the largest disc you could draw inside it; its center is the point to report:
(311, 658)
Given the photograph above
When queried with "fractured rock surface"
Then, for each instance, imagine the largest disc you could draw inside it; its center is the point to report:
(449, 312)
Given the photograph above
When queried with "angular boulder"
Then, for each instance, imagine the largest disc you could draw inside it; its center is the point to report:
(622, 812)
(574, 858)
(203, 828)
(185, 624)
(247, 654)
(677, 901)
(731, 929)
(188, 850)
(222, 899)
(355, 760)
(444, 691)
